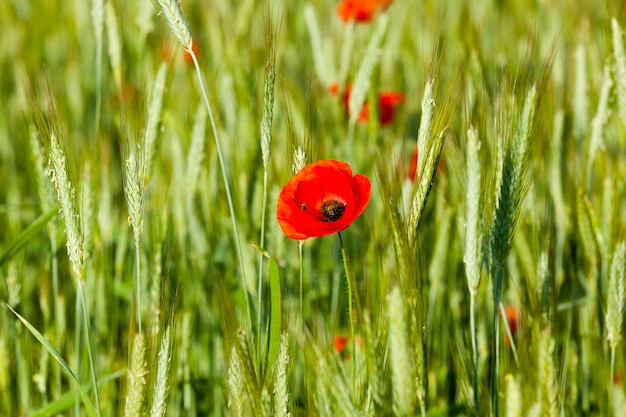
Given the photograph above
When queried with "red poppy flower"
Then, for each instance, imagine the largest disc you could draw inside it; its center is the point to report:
(513, 319)
(361, 11)
(322, 198)
(340, 343)
(412, 173)
(343, 341)
(387, 103)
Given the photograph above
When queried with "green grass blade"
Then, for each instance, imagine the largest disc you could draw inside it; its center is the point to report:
(275, 312)
(89, 407)
(24, 237)
(66, 401)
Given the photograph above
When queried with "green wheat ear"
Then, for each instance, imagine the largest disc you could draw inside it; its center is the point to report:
(402, 373)
(281, 386)
(513, 397)
(236, 384)
(67, 203)
(548, 376)
(137, 372)
(161, 386)
(615, 304)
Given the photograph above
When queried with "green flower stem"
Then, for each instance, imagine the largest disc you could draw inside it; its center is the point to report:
(349, 280)
(300, 247)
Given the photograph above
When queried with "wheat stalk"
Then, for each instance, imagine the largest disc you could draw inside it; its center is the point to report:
(65, 196)
(236, 383)
(364, 73)
(473, 241)
(150, 136)
(619, 66)
(548, 380)
(402, 374)
(133, 190)
(321, 66)
(513, 397)
(615, 303)
(176, 21)
(115, 45)
(137, 372)
(581, 94)
(596, 142)
(161, 386)
(281, 391)
(511, 185)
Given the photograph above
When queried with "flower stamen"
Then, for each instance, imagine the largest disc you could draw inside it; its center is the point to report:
(332, 210)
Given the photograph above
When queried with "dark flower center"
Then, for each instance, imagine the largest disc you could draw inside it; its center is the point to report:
(332, 210)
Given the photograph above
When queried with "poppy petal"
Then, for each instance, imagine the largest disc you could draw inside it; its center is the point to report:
(322, 198)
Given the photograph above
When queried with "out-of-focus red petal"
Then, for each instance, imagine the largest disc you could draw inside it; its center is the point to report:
(344, 10)
(513, 319)
(412, 173)
(361, 11)
(388, 102)
(391, 98)
(333, 88)
(340, 342)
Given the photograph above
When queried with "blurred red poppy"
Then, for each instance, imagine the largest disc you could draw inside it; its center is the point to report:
(513, 319)
(170, 49)
(322, 198)
(387, 103)
(343, 341)
(340, 343)
(361, 11)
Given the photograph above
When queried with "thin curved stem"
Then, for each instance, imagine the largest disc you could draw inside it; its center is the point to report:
(138, 283)
(300, 249)
(350, 313)
(261, 244)
(495, 371)
(92, 368)
(57, 307)
(229, 197)
(474, 349)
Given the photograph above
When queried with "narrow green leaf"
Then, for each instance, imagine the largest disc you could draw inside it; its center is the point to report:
(66, 401)
(275, 312)
(23, 238)
(91, 410)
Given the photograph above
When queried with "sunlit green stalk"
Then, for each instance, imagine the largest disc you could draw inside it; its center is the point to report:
(77, 365)
(474, 350)
(262, 244)
(138, 283)
(495, 361)
(300, 253)
(229, 198)
(509, 335)
(346, 268)
(92, 367)
(98, 21)
(57, 307)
